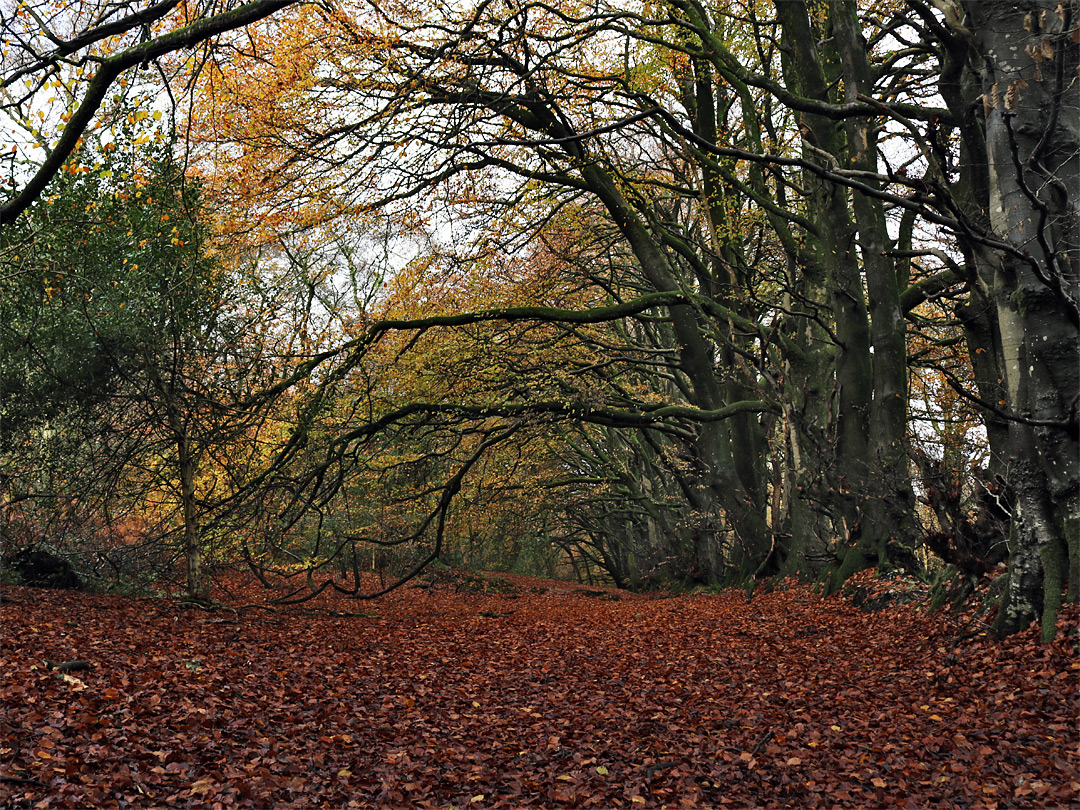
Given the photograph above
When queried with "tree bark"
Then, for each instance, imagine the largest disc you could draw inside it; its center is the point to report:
(198, 583)
(1029, 73)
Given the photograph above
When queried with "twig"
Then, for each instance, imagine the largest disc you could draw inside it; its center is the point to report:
(659, 766)
(762, 742)
(19, 780)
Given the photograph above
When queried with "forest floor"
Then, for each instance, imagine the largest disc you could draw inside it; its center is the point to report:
(528, 693)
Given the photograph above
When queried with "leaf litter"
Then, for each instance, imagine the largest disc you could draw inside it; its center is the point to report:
(532, 694)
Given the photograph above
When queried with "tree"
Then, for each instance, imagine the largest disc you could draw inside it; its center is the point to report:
(131, 345)
(1029, 61)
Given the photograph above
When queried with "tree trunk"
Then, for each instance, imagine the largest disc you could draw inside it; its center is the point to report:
(854, 485)
(1030, 63)
(888, 510)
(198, 583)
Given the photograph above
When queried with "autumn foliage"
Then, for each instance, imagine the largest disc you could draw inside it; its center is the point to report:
(505, 691)
(363, 299)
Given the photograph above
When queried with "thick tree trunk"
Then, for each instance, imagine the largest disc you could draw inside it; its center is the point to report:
(870, 401)
(961, 89)
(1030, 64)
(888, 512)
(713, 451)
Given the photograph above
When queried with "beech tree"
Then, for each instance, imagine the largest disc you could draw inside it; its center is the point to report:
(1029, 278)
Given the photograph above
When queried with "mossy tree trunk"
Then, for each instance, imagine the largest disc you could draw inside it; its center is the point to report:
(1030, 59)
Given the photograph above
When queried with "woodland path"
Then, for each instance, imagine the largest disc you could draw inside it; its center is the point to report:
(528, 693)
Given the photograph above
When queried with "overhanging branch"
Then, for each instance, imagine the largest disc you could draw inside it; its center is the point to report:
(109, 70)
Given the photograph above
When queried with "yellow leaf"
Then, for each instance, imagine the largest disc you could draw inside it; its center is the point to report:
(202, 787)
(478, 798)
(877, 782)
(936, 717)
(73, 682)
(637, 800)
(344, 773)
(602, 770)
